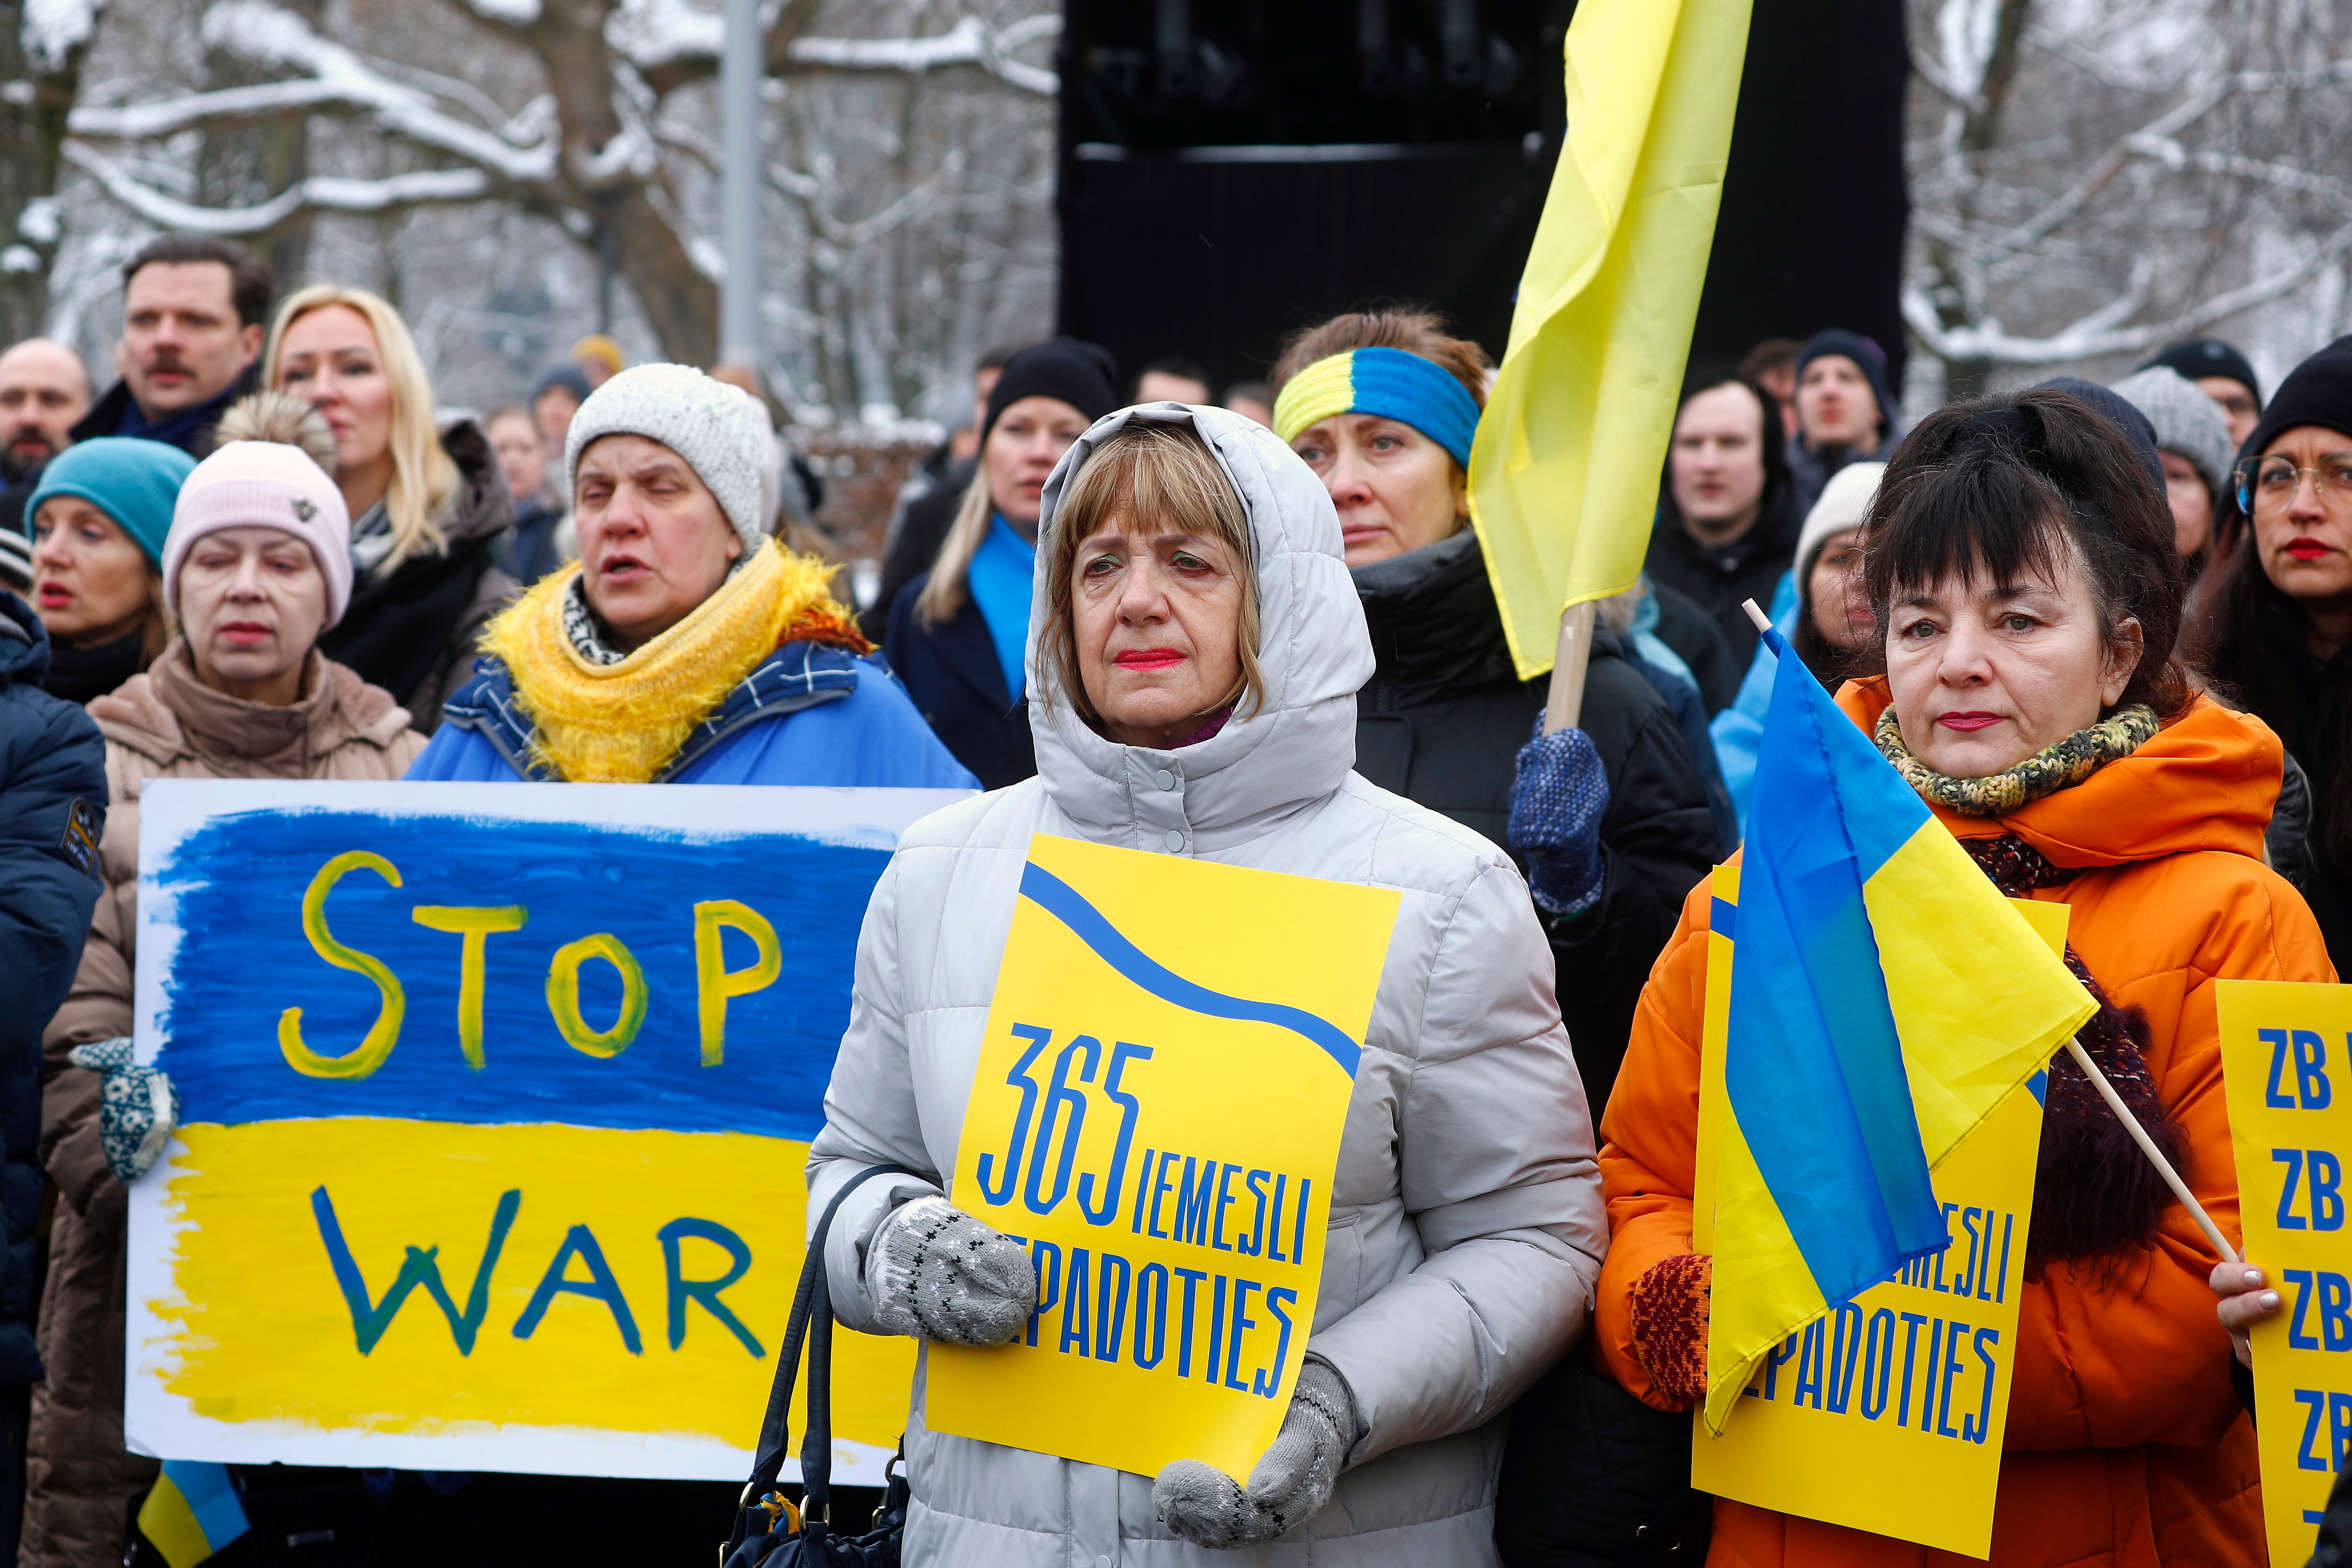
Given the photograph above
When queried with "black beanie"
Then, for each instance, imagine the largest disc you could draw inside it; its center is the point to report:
(1869, 359)
(2202, 357)
(2118, 411)
(2317, 392)
(1081, 374)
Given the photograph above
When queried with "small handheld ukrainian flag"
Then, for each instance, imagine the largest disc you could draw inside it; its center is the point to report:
(193, 1511)
(1885, 997)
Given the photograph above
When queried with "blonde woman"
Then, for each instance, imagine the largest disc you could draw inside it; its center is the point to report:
(956, 632)
(428, 505)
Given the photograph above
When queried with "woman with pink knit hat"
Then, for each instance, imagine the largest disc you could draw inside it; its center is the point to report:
(257, 565)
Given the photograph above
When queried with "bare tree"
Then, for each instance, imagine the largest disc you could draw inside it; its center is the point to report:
(597, 147)
(2091, 182)
(42, 45)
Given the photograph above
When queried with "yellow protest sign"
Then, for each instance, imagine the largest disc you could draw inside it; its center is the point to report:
(1156, 1112)
(1886, 1413)
(2286, 1065)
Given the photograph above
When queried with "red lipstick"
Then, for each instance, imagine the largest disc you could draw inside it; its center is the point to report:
(1968, 723)
(1151, 658)
(2303, 547)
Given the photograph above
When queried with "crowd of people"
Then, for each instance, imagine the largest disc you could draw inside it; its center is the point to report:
(2102, 631)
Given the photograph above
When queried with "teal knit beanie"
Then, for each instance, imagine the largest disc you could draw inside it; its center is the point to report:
(133, 481)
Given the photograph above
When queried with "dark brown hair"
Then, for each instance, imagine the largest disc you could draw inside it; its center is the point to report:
(1406, 327)
(251, 283)
(2013, 486)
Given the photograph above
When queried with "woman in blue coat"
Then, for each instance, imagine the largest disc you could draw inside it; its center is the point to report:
(686, 646)
(957, 632)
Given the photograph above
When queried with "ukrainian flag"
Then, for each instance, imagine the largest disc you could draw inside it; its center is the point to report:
(191, 1512)
(1885, 997)
(1564, 473)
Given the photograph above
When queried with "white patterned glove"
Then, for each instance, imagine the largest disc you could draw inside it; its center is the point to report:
(1206, 1507)
(138, 1107)
(936, 1273)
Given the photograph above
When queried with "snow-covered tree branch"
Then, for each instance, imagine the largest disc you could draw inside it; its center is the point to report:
(2093, 183)
(591, 147)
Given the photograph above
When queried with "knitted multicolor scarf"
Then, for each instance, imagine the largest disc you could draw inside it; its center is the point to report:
(2054, 767)
(619, 722)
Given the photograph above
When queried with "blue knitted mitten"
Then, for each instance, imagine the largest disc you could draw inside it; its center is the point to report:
(1557, 802)
(138, 1107)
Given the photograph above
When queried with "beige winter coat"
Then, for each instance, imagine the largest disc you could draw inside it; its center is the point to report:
(162, 724)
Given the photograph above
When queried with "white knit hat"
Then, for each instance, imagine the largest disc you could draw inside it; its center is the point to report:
(1845, 502)
(724, 436)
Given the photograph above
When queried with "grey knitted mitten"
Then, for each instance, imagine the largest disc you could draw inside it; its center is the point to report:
(1205, 1506)
(936, 1273)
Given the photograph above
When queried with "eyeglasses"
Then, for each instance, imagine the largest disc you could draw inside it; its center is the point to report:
(2267, 486)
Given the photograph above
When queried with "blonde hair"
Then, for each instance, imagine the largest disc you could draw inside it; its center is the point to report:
(1147, 476)
(944, 595)
(424, 478)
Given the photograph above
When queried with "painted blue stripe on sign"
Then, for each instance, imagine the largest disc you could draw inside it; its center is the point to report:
(1066, 904)
(1814, 1069)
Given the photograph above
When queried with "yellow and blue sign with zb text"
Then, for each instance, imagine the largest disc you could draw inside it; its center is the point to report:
(496, 1102)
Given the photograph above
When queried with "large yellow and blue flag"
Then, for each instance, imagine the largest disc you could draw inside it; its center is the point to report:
(1884, 998)
(1564, 470)
(191, 1512)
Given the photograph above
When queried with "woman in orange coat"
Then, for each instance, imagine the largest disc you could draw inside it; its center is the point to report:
(2020, 565)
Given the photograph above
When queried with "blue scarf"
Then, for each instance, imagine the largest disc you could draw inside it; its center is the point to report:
(1000, 579)
(181, 427)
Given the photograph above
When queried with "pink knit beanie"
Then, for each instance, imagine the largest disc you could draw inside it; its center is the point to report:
(263, 484)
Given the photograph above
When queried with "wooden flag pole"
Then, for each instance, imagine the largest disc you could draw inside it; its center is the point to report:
(2114, 1102)
(2155, 1155)
(1565, 701)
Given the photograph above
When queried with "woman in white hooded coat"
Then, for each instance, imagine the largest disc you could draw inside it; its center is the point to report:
(1466, 1224)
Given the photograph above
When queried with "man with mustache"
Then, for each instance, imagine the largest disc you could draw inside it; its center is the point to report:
(194, 310)
(43, 390)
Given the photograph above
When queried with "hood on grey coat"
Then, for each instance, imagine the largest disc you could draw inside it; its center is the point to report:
(1313, 653)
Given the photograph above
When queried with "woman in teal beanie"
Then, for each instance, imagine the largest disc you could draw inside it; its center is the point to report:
(98, 517)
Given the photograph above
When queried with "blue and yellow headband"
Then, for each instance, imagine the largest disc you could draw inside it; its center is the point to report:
(1389, 383)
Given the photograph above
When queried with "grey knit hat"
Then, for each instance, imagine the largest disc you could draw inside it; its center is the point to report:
(2187, 422)
(723, 436)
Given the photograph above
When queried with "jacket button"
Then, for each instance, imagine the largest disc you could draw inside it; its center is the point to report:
(1175, 840)
(1164, 779)
(1104, 1562)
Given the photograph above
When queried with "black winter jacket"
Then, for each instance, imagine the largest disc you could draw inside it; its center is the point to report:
(52, 812)
(1441, 723)
(1718, 577)
(951, 673)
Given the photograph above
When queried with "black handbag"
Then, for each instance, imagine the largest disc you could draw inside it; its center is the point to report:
(1593, 1477)
(770, 1530)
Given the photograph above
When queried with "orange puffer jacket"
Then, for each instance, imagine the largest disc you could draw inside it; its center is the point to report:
(2126, 1444)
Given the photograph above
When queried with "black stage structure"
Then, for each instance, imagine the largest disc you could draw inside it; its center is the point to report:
(1232, 171)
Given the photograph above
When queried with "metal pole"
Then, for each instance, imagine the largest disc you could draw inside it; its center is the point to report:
(739, 101)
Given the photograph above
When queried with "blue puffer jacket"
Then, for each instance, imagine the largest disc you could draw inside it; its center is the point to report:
(808, 715)
(52, 811)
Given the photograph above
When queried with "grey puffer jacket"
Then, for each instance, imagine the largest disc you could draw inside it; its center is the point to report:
(1466, 1226)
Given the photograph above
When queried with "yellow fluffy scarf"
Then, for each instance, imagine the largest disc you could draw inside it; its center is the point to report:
(620, 723)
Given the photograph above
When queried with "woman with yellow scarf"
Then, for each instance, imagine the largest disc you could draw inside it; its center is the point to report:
(686, 646)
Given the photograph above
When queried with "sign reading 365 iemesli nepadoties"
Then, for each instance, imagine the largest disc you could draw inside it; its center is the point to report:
(1157, 1113)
